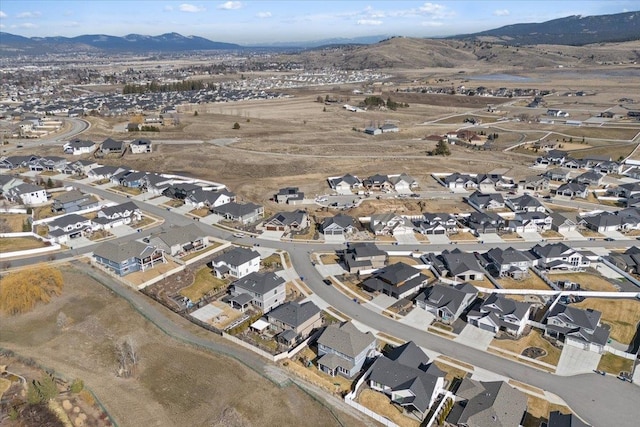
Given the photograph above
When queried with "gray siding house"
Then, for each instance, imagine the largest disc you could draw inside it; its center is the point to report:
(343, 349)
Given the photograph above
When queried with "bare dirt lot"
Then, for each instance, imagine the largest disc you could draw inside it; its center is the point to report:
(175, 383)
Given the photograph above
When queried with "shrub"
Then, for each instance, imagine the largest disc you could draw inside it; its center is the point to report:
(236, 126)
(21, 291)
(77, 386)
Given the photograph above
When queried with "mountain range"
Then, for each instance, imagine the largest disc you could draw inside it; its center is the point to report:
(571, 30)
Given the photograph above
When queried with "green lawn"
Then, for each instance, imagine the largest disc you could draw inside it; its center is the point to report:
(203, 283)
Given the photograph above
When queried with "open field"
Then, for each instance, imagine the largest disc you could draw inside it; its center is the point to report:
(174, 385)
(13, 223)
(614, 364)
(622, 314)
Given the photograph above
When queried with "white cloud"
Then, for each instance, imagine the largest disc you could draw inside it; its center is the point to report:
(190, 8)
(71, 24)
(501, 12)
(432, 10)
(26, 25)
(27, 15)
(230, 5)
(432, 24)
(369, 22)
(1, 25)
(2, 14)
(264, 15)
(167, 8)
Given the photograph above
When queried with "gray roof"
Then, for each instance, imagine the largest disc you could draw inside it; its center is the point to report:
(507, 256)
(451, 297)
(111, 144)
(397, 273)
(494, 404)
(179, 235)
(237, 210)
(409, 354)
(346, 339)
(236, 256)
(26, 188)
(558, 419)
(293, 313)
(366, 250)
(552, 250)
(588, 319)
(503, 306)
(341, 220)
(459, 262)
(401, 377)
(66, 220)
(482, 199)
(288, 218)
(122, 207)
(259, 283)
(525, 201)
(70, 196)
(122, 251)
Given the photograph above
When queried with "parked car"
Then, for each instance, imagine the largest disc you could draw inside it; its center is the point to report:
(609, 239)
(327, 282)
(238, 235)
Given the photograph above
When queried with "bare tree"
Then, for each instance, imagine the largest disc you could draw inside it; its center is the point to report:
(127, 356)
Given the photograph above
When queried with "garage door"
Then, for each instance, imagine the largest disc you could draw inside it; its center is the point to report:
(486, 327)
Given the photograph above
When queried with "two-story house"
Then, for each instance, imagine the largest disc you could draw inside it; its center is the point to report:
(238, 262)
(447, 302)
(73, 201)
(490, 201)
(127, 257)
(114, 216)
(577, 327)
(67, 227)
(363, 257)
(558, 256)
(510, 262)
(294, 321)
(343, 349)
(265, 290)
(27, 194)
(390, 224)
(179, 241)
(499, 313)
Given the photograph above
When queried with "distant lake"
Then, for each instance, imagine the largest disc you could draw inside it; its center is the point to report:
(501, 77)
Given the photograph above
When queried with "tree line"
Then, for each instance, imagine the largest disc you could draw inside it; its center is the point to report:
(155, 87)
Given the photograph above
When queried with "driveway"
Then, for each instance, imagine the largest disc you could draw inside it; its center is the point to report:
(490, 238)
(574, 360)
(615, 235)
(155, 201)
(334, 239)
(330, 269)
(439, 239)
(406, 239)
(573, 235)
(271, 235)
(475, 337)
(531, 237)
(418, 318)
(380, 302)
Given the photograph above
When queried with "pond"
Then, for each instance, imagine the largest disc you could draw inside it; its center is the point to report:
(502, 77)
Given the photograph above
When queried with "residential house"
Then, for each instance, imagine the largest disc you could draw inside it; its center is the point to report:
(140, 146)
(390, 224)
(113, 216)
(510, 262)
(343, 349)
(461, 266)
(482, 201)
(111, 146)
(78, 147)
(534, 183)
(246, 213)
(525, 203)
(562, 224)
(577, 327)
(558, 174)
(558, 256)
(67, 227)
(403, 183)
(339, 225)
(626, 191)
(460, 181)
(485, 222)
(589, 178)
(397, 280)
(27, 194)
(389, 127)
(557, 157)
(15, 162)
(447, 302)
(608, 167)
(289, 195)
(492, 182)
(363, 257)
(437, 223)
(73, 201)
(180, 190)
(265, 291)
(287, 221)
(572, 189)
(127, 257)
(179, 241)
(294, 321)
(238, 262)
(378, 183)
(540, 221)
(602, 222)
(201, 198)
(499, 313)
(104, 172)
(576, 164)
(7, 182)
(49, 163)
(483, 404)
(345, 184)
(407, 377)
(155, 183)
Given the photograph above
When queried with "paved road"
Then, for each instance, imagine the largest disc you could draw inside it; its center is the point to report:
(602, 401)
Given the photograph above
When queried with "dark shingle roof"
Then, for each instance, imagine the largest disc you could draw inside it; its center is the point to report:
(293, 313)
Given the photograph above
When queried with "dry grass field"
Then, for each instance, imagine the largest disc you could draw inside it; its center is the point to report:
(622, 314)
(175, 384)
(587, 281)
(12, 244)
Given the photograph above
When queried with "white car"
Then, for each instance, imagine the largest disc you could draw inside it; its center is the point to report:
(238, 234)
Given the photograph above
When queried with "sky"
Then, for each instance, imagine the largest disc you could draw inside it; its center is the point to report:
(254, 22)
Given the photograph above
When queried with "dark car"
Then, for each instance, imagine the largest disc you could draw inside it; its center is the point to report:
(609, 239)
(415, 195)
(327, 282)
